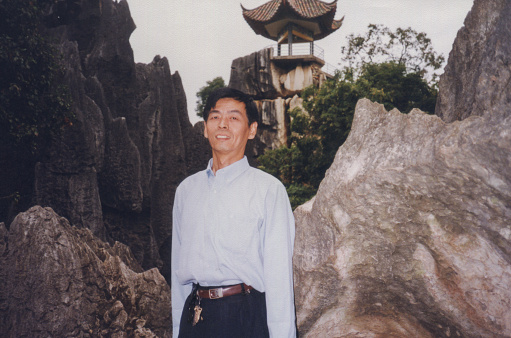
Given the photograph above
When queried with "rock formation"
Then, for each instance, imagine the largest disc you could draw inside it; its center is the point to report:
(252, 74)
(478, 73)
(265, 77)
(61, 281)
(409, 233)
(116, 169)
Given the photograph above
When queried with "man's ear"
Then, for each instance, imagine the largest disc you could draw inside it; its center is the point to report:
(252, 130)
(205, 129)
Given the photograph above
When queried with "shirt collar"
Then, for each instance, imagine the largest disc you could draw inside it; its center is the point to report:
(231, 171)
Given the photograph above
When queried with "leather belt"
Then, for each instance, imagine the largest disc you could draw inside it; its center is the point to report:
(224, 291)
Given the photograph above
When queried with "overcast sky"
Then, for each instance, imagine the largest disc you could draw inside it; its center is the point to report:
(200, 38)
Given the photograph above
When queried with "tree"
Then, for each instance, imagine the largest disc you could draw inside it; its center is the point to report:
(204, 92)
(402, 46)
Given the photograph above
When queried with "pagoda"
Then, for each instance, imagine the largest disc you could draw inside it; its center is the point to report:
(293, 21)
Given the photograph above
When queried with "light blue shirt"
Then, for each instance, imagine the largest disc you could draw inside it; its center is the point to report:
(235, 227)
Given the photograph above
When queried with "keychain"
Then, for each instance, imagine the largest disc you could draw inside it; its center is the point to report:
(195, 308)
(196, 316)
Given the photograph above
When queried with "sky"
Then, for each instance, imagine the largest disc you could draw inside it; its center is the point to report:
(200, 38)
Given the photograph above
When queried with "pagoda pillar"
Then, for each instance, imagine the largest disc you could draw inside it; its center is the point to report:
(290, 40)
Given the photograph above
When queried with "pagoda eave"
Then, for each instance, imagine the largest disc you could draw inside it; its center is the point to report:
(271, 18)
(319, 29)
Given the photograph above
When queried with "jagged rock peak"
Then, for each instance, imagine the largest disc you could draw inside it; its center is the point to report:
(116, 169)
(477, 76)
(61, 281)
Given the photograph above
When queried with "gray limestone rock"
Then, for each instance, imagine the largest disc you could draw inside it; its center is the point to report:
(120, 179)
(409, 233)
(116, 169)
(253, 75)
(478, 74)
(3, 238)
(61, 281)
(272, 130)
(66, 178)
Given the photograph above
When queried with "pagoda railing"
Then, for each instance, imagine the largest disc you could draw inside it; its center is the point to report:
(299, 49)
(304, 49)
(329, 69)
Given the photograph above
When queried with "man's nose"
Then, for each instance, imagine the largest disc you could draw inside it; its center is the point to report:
(223, 123)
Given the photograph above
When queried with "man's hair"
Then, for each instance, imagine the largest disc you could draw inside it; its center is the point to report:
(226, 92)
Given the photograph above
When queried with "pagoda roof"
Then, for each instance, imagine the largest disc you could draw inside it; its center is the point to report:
(315, 15)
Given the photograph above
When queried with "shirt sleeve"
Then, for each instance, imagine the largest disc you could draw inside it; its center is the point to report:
(278, 267)
(179, 292)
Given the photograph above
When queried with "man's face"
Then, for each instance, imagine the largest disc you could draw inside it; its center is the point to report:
(227, 128)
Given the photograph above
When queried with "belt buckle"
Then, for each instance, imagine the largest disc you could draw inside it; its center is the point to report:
(216, 293)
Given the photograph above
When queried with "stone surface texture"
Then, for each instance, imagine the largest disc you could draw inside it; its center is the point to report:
(116, 169)
(478, 73)
(62, 281)
(252, 74)
(273, 127)
(264, 77)
(409, 234)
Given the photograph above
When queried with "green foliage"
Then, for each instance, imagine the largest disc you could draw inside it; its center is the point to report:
(324, 125)
(204, 92)
(34, 106)
(389, 83)
(402, 46)
(295, 166)
(300, 193)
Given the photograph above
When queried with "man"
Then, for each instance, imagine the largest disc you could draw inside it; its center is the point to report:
(232, 238)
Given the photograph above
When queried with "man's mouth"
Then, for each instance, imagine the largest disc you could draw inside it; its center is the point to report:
(222, 137)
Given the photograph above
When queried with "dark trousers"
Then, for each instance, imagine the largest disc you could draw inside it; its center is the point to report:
(241, 315)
